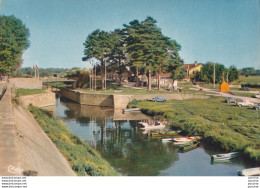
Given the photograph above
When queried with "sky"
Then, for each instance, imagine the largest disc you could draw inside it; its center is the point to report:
(223, 31)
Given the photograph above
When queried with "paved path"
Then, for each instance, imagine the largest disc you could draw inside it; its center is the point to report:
(9, 157)
(253, 100)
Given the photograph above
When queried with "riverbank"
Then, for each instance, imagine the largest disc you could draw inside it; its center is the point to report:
(225, 126)
(82, 158)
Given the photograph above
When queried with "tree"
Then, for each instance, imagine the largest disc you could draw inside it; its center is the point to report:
(99, 45)
(13, 41)
(232, 74)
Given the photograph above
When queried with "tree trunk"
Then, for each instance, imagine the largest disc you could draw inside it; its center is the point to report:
(149, 81)
(120, 72)
(137, 80)
(159, 80)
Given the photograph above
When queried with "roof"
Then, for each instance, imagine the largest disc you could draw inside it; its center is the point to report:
(191, 66)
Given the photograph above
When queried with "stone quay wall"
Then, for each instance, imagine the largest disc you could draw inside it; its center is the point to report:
(26, 83)
(39, 100)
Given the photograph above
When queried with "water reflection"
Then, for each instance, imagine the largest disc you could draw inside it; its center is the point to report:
(119, 140)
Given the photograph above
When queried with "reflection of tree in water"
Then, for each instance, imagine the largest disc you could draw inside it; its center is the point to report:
(134, 154)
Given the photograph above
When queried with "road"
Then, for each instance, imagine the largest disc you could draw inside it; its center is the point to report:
(216, 91)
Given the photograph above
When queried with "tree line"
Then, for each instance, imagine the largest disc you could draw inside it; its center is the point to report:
(139, 46)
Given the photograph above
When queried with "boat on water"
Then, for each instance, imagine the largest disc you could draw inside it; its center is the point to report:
(131, 109)
(167, 140)
(250, 172)
(187, 139)
(188, 146)
(156, 125)
(166, 133)
(225, 156)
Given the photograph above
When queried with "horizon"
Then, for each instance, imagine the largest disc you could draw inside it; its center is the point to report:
(222, 32)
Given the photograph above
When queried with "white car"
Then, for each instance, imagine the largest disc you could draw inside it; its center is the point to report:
(257, 95)
(245, 103)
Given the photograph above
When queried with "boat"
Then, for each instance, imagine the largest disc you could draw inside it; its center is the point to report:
(131, 109)
(157, 125)
(187, 139)
(167, 140)
(188, 146)
(166, 133)
(225, 156)
(250, 172)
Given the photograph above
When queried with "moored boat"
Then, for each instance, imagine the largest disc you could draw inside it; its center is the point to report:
(250, 172)
(131, 109)
(225, 156)
(187, 139)
(157, 125)
(167, 140)
(188, 146)
(166, 133)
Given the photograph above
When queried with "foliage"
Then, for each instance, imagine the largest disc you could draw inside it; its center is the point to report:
(29, 71)
(250, 71)
(14, 40)
(84, 160)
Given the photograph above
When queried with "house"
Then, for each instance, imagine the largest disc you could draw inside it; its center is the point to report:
(191, 70)
(165, 80)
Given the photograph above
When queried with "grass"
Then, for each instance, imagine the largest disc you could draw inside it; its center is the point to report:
(59, 85)
(223, 125)
(22, 92)
(248, 80)
(84, 160)
(243, 94)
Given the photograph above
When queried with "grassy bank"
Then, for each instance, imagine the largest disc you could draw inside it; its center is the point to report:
(223, 125)
(22, 92)
(83, 159)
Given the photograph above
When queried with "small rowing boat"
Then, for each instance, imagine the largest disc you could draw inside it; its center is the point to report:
(225, 156)
(131, 109)
(187, 139)
(157, 125)
(250, 172)
(167, 140)
(166, 133)
(188, 146)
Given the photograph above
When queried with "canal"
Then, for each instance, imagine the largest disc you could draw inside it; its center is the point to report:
(120, 141)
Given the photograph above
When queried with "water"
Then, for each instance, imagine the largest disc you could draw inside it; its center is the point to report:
(120, 141)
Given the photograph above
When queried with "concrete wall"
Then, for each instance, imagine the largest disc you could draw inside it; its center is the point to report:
(26, 83)
(89, 99)
(118, 101)
(40, 100)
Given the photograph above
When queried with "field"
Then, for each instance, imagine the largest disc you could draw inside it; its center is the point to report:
(248, 80)
(22, 92)
(84, 160)
(223, 125)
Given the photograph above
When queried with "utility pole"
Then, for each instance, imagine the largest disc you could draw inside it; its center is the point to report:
(90, 75)
(214, 77)
(95, 77)
(105, 77)
(227, 76)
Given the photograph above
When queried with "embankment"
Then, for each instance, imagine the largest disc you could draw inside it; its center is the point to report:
(39, 100)
(83, 159)
(118, 101)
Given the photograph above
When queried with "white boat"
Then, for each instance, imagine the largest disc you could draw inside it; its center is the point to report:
(131, 109)
(167, 140)
(225, 156)
(187, 139)
(250, 172)
(157, 125)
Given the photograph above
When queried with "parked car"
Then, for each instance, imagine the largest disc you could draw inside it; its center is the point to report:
(256, 107)
(257, 95)
(245, 103)
(244, 89)
(158, 99)
(230, 100)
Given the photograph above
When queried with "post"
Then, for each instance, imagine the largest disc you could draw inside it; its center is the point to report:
(95, 77)
(227, 76)
(214, 77)
(105, 77)
(90, 79)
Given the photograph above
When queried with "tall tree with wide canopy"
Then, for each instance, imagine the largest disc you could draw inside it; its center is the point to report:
(14, 39)
(99, 45)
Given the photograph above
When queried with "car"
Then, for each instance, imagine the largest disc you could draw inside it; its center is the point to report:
(158, 99)
(230, 100)
(257, 95)
(256, 107)
(245, 103)
(244, 89)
